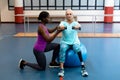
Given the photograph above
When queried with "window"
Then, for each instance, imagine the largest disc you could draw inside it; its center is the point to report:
(59, 4)
(100, 4)
(62, 4)
(10, 4)
(92, 4)
(117, 4)
(28, 4)
(75, 4)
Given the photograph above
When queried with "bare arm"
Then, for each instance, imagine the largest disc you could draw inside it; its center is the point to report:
(77, 27)
(52, 30)
(61, 28)
(48, 38)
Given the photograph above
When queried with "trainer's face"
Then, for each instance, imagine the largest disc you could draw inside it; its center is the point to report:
(69, 15)
(47, 19)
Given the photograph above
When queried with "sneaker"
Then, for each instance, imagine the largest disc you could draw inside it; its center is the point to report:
(21, 64)
(54, 64)
(61, 73)
(84, 73)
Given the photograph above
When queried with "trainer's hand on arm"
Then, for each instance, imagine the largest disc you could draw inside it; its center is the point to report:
(47, 37)
(61, 28)
(52, 29)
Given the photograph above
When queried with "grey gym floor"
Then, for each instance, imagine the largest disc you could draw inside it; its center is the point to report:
(102, 58)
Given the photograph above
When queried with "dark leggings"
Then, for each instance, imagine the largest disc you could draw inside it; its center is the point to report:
(40, 56)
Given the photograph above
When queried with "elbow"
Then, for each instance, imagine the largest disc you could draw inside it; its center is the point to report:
(48, 40)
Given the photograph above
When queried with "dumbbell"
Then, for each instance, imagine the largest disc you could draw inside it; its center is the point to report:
(65, 27)
(76, 28)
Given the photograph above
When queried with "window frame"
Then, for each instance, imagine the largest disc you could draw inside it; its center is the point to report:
(63, 7)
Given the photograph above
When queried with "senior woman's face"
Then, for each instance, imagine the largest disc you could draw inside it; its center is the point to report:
(69, 15)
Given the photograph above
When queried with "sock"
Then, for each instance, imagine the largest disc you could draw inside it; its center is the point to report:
(82, 63)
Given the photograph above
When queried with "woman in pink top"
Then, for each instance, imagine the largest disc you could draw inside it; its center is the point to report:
(43, 44)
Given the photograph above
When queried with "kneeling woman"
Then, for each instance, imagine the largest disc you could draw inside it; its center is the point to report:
(43, 44)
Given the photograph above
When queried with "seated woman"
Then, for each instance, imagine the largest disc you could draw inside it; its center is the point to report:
(70, 39)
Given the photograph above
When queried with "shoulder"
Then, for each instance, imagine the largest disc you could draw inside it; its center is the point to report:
(63, 22)
(40, 25)
(76, 23)
(41, 28)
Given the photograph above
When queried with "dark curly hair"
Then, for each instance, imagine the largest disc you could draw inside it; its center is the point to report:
(43, 15)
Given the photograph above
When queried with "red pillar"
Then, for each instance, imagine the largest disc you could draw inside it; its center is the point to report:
(18, 10)
(109, 8)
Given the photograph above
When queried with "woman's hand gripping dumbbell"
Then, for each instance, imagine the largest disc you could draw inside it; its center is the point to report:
(61, 28)
(76, 27)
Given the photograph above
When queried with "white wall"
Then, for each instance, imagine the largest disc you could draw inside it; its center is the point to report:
(117, 17)
(81, 14)
(8, 15)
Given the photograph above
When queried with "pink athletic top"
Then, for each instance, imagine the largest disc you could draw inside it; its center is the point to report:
(41, 43)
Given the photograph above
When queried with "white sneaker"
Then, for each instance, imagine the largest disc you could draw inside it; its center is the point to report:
(61, 73)
(84, 73)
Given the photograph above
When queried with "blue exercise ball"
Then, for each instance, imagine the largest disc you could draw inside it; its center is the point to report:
(72, 59)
